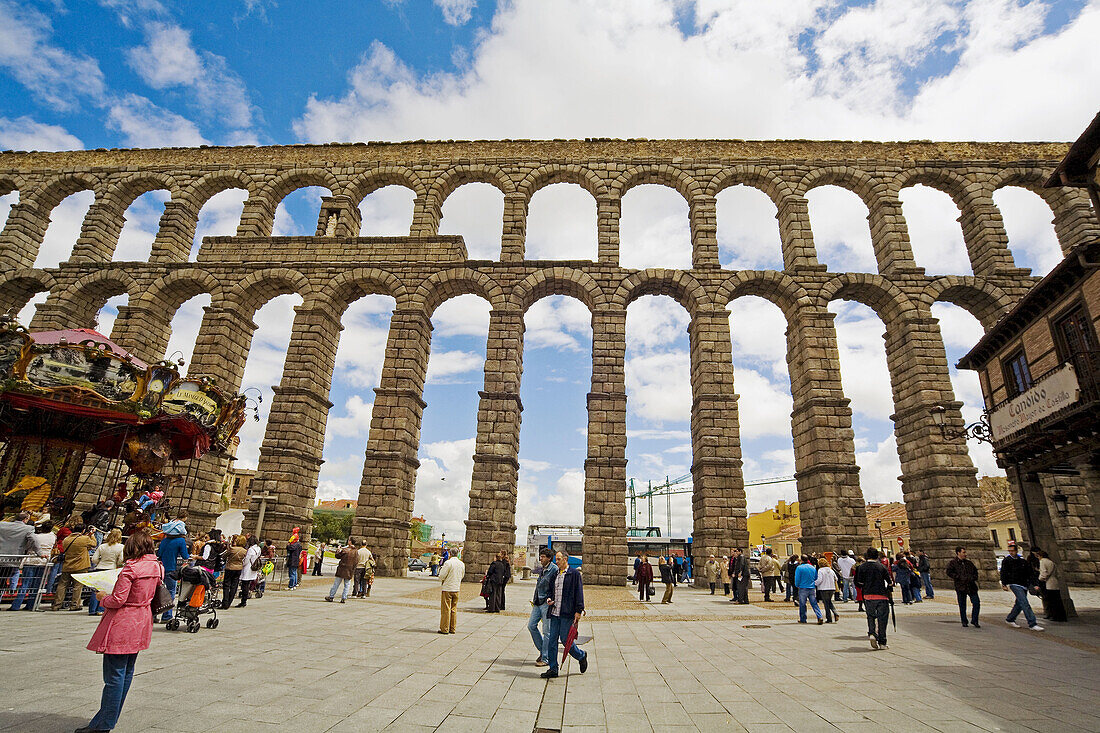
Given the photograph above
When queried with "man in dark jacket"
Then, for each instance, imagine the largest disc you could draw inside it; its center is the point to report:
(873, 580)
(293, 554)
(544, 588)
(789, 570)
(965, 575)
(1016, 576)
(566, 608)
(924, 567)
(739, 576)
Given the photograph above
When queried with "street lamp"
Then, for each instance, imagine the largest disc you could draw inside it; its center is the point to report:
(878, 526)
(762, 538)
(979, 431)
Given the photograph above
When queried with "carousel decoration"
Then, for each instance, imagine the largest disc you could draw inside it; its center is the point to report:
(65, 395)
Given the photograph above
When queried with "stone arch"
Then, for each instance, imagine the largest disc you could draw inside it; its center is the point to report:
(677, 284)
(874, 291)
(755, 176)
(57, 189)
(81, 301)
(983, 300)
(350, 286)
(557, 281)
(553, 173)
(859, 182)
(199, 191)
(776, 287)
(251, 293)
(17, 288)
(367, 183)
(171, 291)
(662, 175)
(452, 178)
(946, 181)
(124, 190)
(442, 286)
(10, 183)
(284, 184)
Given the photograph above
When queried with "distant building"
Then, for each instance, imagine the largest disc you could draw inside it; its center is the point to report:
(336, 505)
(771, 521)
(239, 486)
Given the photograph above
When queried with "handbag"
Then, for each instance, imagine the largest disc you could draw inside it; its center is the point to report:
(162, 599)
(257, 563)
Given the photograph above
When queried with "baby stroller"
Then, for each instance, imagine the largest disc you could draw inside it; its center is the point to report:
(198, 595)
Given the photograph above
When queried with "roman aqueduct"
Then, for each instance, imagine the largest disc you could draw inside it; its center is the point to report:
(335, 267)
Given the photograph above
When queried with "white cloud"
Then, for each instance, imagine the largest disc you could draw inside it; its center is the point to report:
(561, 224)
(748, 233)
(653, 228)
(564, 505)
(64, 229)
(355, 422)
(105, 318)
(653, 323)
(1028, 222)
(476, 211)
(185, 328)
(363, 342)
(934, 231)
(863, 370)
(659, 387)
(758, 334)
(443, 364)
(764, 407)
(142, 220)
(456, 12)
(879, 469)
(219, 217)
(465, 315)
(558, 322)
(443, 485)
(842, 237)
(24, 133)
(168, 60)
(145, 125)
(387, 212)
(58, 78)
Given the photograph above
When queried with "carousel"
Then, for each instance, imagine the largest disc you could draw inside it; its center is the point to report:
(79, 415)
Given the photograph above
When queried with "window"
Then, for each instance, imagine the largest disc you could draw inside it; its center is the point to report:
(1012, 533)
(996, 541)
(1073, 333)
(790, 549)
(1017, 374)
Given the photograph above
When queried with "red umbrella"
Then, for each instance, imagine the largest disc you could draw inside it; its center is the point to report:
(569, 639)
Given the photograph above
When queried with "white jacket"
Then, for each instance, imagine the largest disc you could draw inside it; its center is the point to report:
(826, 579)
(108, 557)
(450, 577)
(247, 573)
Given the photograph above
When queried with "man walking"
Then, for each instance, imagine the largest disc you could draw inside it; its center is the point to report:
(924, 567)
(712, 570)
(769, 574)
(873, 580)
(363, 560)
(566, 609)
(540, 609)
(846, 563)
(1016, 576)
(318, 558)
(294, 552)
(805, 578)
(964, 573)
(668, 577)
(450, 580)
(739, 576)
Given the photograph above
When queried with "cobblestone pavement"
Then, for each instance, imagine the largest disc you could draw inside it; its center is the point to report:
(291, 662)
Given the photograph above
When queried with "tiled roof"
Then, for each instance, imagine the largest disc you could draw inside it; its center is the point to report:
(1001, 511)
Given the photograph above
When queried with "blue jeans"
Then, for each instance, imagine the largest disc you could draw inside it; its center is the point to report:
(93, 605)
(849, 593)
(807, 594)
(926, 579)
(170, 584)
(962, 595)
(559, 629)
(32, 581)
(540, 640)
(292, 576)
(791, 594)
(906, 590)
(336, 586)
(118, 672)
(1021, 604)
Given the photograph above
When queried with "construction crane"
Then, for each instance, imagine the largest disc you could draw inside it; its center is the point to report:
(679, 485)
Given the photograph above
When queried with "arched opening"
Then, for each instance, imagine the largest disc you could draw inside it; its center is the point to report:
(838, 219)
(757, 328)
(185, 329)
(27, 312)
(866, 380)
(961, 331)
(658, 410)
(66, 220)
(219, 217)
(561, 224)
(357, 372)
(448, 432)
(748, 232)
(139, 228)
(297, 214)
(654, 229)
(7, 201)
(264, 369)
(106, 316)
(387, 212)
(557, 374)
(1029, 224)
(476, 211)
(935, 234)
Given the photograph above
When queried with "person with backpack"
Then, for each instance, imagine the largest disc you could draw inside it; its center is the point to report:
(345, 570)
(251, 570)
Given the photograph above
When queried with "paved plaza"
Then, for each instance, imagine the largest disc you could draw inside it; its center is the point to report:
(291, 662)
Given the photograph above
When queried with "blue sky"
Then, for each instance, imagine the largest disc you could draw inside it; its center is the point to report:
(140, 73)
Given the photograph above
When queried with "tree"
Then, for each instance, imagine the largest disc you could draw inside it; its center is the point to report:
(994, 489)
(328, 525)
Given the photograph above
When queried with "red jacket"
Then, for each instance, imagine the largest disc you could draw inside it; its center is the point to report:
(127, 626)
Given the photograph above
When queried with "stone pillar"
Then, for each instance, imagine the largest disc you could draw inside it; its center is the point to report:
(890, 236)
(608, 212)
(718, 500)
(1075, 221)
(514, 231)
(938, 480)
(22, 235)
(491, 526)
(984, 233)
(143, 331)
(257, 216)
(383, 516)
(603, 547)
(1075, 536)
(797, 238)
(221, 351)
(99, 233)
(290, 456)
(51, 315)
(427, 213)
(703, 216)
(830, 503)
(175, 233)
(338, 217)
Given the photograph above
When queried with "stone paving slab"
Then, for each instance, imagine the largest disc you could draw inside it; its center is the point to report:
(290, 661)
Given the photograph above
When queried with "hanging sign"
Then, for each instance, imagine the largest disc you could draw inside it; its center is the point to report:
(1044, 398)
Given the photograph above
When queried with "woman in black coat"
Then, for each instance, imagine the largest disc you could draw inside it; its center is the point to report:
(498, 576)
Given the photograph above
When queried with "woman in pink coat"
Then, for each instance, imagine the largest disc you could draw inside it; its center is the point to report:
(126, 628)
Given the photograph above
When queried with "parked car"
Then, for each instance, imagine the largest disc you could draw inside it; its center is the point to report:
(415, 563)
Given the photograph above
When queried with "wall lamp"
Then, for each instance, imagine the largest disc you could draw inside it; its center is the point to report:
(979, 431)
(1061, 502)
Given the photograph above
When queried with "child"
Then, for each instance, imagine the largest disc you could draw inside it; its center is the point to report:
(177, 527)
